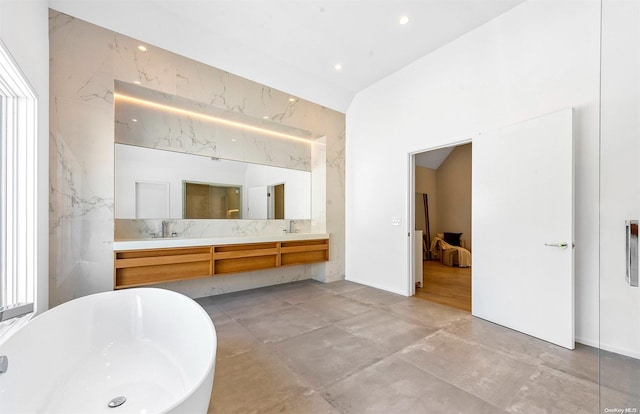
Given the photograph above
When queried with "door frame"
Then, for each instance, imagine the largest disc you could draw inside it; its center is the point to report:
(411, 213)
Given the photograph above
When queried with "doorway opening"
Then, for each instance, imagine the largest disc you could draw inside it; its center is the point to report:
(442, 214)
(276, 201)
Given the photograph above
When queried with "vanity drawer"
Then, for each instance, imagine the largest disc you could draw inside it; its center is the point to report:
(145, 267)
(142, 267)
(304, 251)
(238, 258)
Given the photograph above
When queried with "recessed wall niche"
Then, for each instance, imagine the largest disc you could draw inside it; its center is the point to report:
(166, 139)
(85, 62)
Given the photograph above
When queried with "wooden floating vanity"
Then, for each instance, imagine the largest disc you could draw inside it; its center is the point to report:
(140, 266)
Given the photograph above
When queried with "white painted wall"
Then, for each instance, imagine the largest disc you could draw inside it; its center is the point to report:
(539, 57)
(620, 173)
(24, 31)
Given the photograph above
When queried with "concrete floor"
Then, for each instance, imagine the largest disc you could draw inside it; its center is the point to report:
(308, 347)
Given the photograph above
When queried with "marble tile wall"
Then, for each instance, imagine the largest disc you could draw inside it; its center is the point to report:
(319, 185)
(126, 229)
(176, 131)
(85, 61)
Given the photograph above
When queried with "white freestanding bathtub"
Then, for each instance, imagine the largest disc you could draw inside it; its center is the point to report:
(154, 347)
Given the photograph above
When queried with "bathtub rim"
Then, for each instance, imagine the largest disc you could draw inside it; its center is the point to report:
(197, 383)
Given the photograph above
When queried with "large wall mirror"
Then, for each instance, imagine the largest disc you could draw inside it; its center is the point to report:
(153, 184)
(180, 159)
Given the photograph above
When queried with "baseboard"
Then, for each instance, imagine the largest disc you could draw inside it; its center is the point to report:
(621, 351)
(589, 342)
(609, 348)
(374, 285)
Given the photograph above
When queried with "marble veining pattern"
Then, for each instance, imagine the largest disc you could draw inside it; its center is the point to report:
(85, 61)
(160, 129)
(131, 229)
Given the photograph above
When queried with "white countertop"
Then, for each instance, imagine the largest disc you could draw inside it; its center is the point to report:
(168, 242)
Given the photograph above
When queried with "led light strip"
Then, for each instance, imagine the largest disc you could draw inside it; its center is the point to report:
(210, 118)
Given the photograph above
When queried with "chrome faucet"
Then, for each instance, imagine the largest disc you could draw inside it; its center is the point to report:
(165, 230)
(291, 229)
(9, 312)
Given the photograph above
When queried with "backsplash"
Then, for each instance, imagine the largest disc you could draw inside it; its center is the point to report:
(142, 229)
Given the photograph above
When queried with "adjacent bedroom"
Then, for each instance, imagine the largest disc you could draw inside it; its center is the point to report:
(443, 215)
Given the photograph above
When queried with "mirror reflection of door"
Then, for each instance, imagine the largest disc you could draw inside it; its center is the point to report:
(258, 203)
(266, 202)
(278, 201)
(275, 202)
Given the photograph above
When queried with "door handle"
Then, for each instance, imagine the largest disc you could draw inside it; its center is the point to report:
(632, 252)
(562, 245)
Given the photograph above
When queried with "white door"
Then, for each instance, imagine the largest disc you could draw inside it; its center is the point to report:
(152, 200)
(258, 203)
(522, 218)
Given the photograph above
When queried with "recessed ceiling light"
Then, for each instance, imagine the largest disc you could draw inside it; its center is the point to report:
(134, 120)
(338, 67)
(265, 117)
(137, 82)
(142, 48)
(292, 99)
(404, 20)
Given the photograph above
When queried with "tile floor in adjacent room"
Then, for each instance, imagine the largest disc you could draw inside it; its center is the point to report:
(309, 347)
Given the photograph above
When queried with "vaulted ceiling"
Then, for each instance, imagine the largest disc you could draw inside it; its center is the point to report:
(295, 45)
